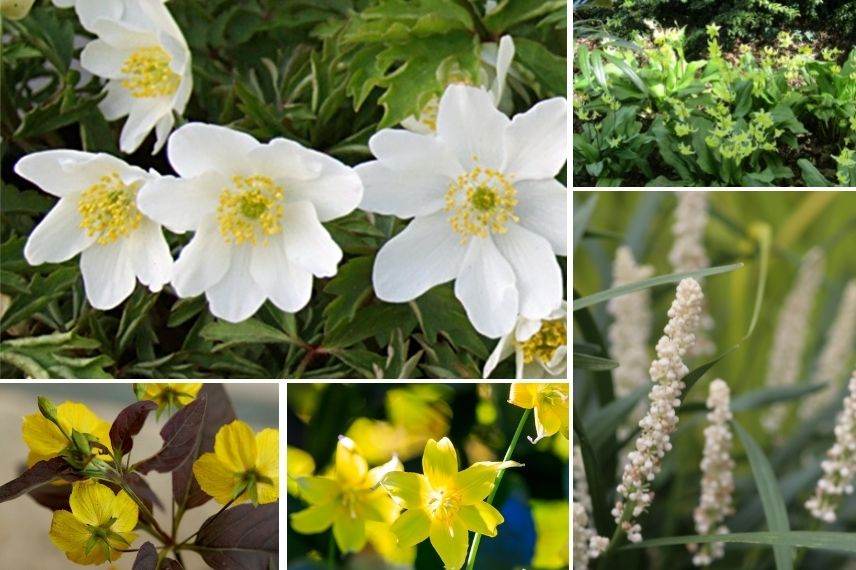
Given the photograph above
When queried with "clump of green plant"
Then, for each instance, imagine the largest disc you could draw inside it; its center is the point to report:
(781, 114)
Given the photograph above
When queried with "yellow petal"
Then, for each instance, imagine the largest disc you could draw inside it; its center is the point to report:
(351, 467)
(73, 415)
(384, 542)
(450, 542)
(377, 474)
(267, 450)
(125, 511)
(548, 421)
(476, 481)
(268, 493)
(315, 519)
(318, 490)
(481, 518)
(90, 502)
(372, 507)
(523, 394)
(235, 447)
(214, 478)
(298, 464)
(350, 533)
(412, 527)
(42, 436)
(67, 533)
(551, 528)
(410, 490)
(440, 462)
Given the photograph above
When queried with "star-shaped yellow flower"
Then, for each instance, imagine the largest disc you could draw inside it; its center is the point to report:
(243, 467)
(98, 526)
(347, 499)
(168, 396)
(443, 504)
(45, 439)
(550, 402)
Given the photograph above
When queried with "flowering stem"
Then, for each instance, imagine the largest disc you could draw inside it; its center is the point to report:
(331, 554)
(474, 548)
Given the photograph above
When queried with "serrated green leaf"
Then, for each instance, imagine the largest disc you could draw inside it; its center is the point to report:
(249, 331)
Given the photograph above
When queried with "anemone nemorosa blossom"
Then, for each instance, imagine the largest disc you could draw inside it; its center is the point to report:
(487, 211)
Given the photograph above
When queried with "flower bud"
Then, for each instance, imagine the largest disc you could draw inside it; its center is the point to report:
(15, 9)
(47, 408)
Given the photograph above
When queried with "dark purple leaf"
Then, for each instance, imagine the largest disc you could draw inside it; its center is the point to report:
(170, 564)
(34, 477)
(128, 423)
(241, 538)
(51, 496)
(147, 558)
(180, 439)
(218, 412)
(142, 490)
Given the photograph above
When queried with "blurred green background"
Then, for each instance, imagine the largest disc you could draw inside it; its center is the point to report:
(384, 419)
(799, 221)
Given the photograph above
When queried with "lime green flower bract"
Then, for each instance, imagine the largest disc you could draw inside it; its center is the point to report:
(98, 526)
(243, 467)
(347, 499)
(444, 504)
(550, 402)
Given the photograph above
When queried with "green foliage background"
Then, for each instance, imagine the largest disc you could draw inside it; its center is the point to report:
(798, 222)
(326, 73)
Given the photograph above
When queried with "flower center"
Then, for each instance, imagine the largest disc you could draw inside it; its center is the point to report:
(443, 504)
(543, 344)
(481, 201)
(252, 211)
(108, 209)
(148, 73)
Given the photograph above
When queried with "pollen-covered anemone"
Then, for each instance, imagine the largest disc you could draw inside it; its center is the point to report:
(488, 212)
(540, 347)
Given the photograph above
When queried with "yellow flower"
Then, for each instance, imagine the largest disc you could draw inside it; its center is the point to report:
(168, 396)
(551, 528)
(99, 524)
(45, 439)
(550, 402)
(244, 466)
(298, 463)
(346, 499)
(443, 504)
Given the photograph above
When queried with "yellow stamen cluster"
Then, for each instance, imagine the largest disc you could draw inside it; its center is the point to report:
(108, 209)
(443, 504)
(252, 211)
(482, 201)
(543, 344)
(148, 73)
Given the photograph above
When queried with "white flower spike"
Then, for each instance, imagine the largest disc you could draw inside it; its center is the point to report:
(256, 210)
(144, 57)
(97, 216)
(540, 347)
(488, 212)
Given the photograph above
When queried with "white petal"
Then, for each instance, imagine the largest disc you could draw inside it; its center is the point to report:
(398, 193)
(470, 124)
(335, 192)
(306, 242)
(100, 58)
(288, 285)
(180, 204)
(161, 19)
(141, 120)
(283, 160)
(237, 296)
(108, 276)
(117, 103)
(486, 288)
(542, 206)
(88, 11)
(199, 147)
(538, 275)
(182, 94)
(63, 3)
(53, 170)
(503, 63)
(426, 253)
(202, 263)
(162, 130)
(526, 328)
(536, 142)
(409, 152)
(123, 34)
(58, 237)
(150, 256)
(504, 348)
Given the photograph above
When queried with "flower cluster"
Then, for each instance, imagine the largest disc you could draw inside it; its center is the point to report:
(587, 543)
(667, 370)
(717, 483)
(839, 467)
(832, 363)
(540, 347)
(783, 368)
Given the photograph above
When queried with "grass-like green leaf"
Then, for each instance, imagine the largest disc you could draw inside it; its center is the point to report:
(771, 497)
(600, 510)
(589, 362)
(834, 541)
(606, 420)
(582, 215)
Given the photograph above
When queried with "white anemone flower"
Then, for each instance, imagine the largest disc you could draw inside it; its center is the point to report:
(256, 210)
(144, 57)
(488, 212)
(496, 64)
(97, 217)
(540, 347)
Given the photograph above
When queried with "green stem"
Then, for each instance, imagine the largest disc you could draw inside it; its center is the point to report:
(474, 548)
(331, 554)
(206, 523)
